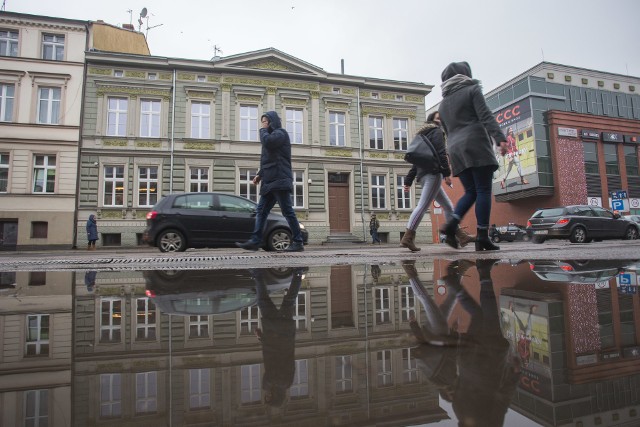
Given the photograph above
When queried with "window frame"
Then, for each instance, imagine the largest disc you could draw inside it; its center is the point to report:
(199, 181)
(7, 113)
(55, 44)
(337, 126)
(401, 195)
(52, 116)
(295, 126)
(245, 177)
(149, 181)
(114, 181)
(299, 189)
(5, 171)
(202, 119)
(46, 168)
(378, 188)
(38, 341)
(151, 116)
(146, 319)
(401, 144)
(5, 36)
(376, 132)
(119, 114)
(246, 134)
(111, 327)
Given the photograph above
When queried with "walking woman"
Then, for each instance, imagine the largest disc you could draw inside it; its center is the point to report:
(431, 186)
(470, 129)
(92, 233)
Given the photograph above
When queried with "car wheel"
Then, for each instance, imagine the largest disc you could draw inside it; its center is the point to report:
(578, 235)
(526, 238)
(278, 240)
(171, 241)
(631, 233)
(495, 239)
(537, 239)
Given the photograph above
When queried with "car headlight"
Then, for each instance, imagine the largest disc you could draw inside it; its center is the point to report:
(301, 226)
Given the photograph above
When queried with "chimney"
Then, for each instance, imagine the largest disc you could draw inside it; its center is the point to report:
(128, 27)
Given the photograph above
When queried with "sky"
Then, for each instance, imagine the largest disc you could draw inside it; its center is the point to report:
(407, 40)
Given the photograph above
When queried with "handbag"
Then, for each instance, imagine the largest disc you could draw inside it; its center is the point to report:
(422, 154)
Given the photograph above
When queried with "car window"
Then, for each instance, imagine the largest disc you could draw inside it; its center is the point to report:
(603, 213)
(234, 204)
(582, 211)
(193, 201)
(545, 213)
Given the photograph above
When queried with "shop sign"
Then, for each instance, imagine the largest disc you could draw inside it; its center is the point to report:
(569, 132)
(589, 134)
(610, 355)
(587, 359)
(631, 138)
(611, 137)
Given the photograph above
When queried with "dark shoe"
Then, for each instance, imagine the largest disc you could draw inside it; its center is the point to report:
(449, 229)
(484, 266)
(295, 247)
(483, 243)
(248, 245)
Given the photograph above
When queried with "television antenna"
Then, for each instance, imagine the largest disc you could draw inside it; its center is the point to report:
(144, 14)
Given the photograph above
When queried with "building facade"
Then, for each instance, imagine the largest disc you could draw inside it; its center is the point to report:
(154, 126)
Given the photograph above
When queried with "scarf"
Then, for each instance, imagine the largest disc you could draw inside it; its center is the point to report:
(457, 82)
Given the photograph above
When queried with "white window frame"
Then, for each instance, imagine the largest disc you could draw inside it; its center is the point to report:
(407, 302)
(404, 200)
(110, 178)
(382, 301)
(146, 392)
(143, 318)
(400, 133)
(295, 124)
(376, 132)
(384, 364)
(248, 123)
(111, 403)
(201, 322)
(199, 182)
(410, 370)
(35, 340)
(40, 403)
(199, 388)
(7, 101)
(150, 123)
(338, 128)
(9, 43)
(300, 311)
(150, 191)
(56, 44)
(118, 73)
(111, 327)
(4, 172)
(117, 116)
(249, 318)
(47, 104)
(250, 384)
(344, 375)
(44, 168)
(245, 185)
(298, 189)
(378, 191)
(300, 385)
(200, 120)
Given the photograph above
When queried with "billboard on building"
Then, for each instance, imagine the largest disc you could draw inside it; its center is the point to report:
(518, 168)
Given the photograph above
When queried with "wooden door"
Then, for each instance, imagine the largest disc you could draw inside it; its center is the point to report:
(339, 219)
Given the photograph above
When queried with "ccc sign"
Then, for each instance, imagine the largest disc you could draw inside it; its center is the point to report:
(508, 114)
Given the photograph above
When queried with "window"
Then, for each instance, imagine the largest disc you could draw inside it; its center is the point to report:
(149, 118)
(198, 326)
(145, 319)
(200, 119)
(152, 76)
(118, 73)
(378, 192)
(247, 189)
(113, 186)
(294, 125)
(337, 132)
(249, 123)
(110, 320)
(611, 159)
(117, 116)
(298, 189)
(400, 134)
(248, 320)
(409, 366)
(146, 392)
(37, 278)
(344, 374)
(375, 95)
(39, 229)
(407, 303)
(300, 311)
(300, 385)
(403, 198)
(590, 157)
(199, 180)
(7, 93)
(44, 173)
(8, 43)
(110, 395)
(384, 368)
(201, 79)
(630, 161)
(250, 386)
(36, 408)
(376, 132)
(335, 90)
(4, 172)
(199, 386)
(111, 239)
(383, 305)
(49, 105)
(147, 185)
(37, 337)
(53, 47)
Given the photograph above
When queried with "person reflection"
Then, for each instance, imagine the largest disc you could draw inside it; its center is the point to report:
(485, 374)
(277, 337)
(90, 280)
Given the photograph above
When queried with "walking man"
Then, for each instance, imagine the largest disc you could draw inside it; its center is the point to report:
(374, 224)
(277, 183)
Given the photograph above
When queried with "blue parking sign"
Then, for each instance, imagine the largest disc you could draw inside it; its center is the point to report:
(617, 205)
(624, 279)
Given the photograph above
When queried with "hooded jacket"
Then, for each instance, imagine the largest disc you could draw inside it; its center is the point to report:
(275, 159)
(92, 228)
(432, 131)
(467, 120)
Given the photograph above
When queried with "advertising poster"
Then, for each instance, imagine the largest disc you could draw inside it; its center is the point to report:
(518, 168)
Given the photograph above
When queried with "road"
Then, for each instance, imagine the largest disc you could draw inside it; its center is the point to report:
(314, 255)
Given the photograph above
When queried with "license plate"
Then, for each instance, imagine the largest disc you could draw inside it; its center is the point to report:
(541, 232)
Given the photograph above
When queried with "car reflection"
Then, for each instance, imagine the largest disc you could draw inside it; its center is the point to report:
(210, 292)
(578, 271)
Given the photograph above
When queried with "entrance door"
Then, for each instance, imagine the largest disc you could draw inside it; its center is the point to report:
(339, 220)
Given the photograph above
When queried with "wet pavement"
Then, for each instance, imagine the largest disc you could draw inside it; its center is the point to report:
(346, 336)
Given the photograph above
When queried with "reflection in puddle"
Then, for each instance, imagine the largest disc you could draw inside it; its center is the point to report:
(506, 342)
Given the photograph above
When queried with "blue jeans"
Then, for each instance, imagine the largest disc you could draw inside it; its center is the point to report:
(477, 189)
(374, 236)
(266, 203)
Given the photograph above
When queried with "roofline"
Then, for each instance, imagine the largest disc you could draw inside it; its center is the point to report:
(44, 18)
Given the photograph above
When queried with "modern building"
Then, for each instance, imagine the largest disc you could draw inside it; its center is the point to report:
(41, 92)
(154, 126)
(577, 134)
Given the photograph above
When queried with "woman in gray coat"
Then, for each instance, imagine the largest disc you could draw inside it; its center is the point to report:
(471, 131)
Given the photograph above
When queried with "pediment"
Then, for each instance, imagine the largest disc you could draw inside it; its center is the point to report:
(270, 60)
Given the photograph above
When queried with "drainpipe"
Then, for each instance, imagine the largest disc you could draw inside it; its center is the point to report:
(173, 127)
(364, 230)
(74, 243)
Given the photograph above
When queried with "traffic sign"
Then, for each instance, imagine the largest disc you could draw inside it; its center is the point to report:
(617, 205)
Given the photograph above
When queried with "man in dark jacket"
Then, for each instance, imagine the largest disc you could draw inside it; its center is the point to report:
(277, 182)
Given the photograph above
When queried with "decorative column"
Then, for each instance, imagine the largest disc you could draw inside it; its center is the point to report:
(226, 109)
(315, 117)
(271, 98)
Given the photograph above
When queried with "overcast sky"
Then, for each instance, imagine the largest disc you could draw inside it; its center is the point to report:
(409, 40)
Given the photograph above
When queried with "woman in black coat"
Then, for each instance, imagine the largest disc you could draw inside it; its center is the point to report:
(471, 131)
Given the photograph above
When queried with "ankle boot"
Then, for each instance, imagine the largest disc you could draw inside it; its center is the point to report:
(483, 243)
(464, 238)
(410, 269)
(484, 266)
(449, 229)
(408, 240)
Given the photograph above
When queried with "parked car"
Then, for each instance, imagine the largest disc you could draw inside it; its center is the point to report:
(211, 220)
(508, 233)
(577, 271)
(634, 218)
(580, 224)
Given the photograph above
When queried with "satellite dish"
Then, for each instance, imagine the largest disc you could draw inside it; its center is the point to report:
(143, 12)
